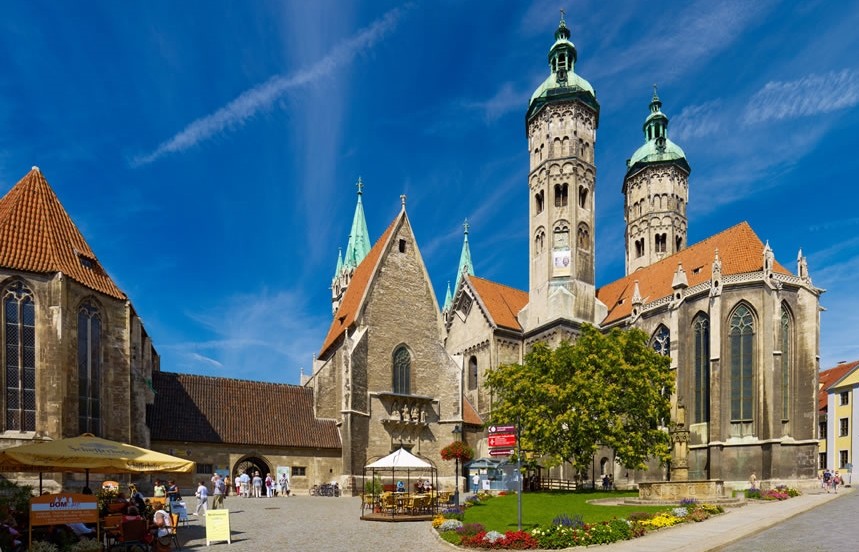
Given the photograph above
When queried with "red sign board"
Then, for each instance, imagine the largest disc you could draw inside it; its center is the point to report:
(504, 440)
(502, 429)
(500, 452)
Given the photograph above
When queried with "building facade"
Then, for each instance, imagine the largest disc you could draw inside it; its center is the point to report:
(837, 426)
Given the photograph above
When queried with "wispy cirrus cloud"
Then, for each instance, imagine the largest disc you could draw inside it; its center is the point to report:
(697, 121)
(809, 95)
(506, 100)
(252, 101)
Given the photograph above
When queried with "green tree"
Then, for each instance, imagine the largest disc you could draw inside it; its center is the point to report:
(605, 389)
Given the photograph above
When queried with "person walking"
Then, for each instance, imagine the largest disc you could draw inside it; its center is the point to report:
(219, 489)
(284, 485)
(245, 481)
(269, 486)
(202, 495)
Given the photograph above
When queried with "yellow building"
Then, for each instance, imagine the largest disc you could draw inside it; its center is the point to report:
(838, 418)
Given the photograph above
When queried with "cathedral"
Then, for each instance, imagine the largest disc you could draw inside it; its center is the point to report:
(742, 331)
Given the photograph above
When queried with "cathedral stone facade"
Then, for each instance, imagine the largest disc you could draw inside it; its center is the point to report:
(742, 331)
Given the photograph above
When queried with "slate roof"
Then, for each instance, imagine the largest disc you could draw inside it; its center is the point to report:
(740, 250)
(37, 235)
(828, 378)
(503, 303)
(206, 409)
(354, 296)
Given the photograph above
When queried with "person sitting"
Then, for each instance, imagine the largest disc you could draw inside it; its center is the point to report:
(163, 523)
(131, 514)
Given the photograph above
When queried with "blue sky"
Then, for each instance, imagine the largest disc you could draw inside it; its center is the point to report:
(208, 150)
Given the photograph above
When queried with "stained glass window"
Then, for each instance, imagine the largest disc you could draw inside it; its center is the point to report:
(701, 337)
(742, 345)
(89, 369)
(402, 370)
(20, 363)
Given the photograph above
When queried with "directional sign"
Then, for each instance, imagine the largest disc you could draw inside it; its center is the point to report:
(503, 440)
(502, 429)
(500, 452)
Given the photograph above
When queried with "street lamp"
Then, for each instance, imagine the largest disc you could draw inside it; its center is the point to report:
(457, 432)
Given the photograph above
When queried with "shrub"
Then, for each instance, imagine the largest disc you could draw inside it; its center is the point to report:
(712, 509)
(698, 514)
(449, 525)
(42, 546)
(687, 502)
(86, 545)
(470, 529)
(660, 520)
(454, 512)
(437, 521)
(557, 536)
(680, 511)
(511, 540)
(639, 516)
(451, 537)
(472, 500)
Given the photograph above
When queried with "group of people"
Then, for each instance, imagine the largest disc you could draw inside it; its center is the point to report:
(249, 486)
(831, 480)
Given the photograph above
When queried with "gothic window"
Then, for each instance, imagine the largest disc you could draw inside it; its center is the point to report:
(661, 340)
(583, 197)
(560, 195)
(785, 328)
(89, 369)
(472, 373)
(701, 350)
(538, 202)
(742, 354)
(19, 335)
(583, 238)
(539, 241)
(402, 370)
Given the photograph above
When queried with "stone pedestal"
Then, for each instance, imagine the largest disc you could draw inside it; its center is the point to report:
(675, 491)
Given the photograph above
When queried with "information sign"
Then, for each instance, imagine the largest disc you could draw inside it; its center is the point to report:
(218, 526)
(502, 440)
(502, 429)
(500, 452)
(59, 509)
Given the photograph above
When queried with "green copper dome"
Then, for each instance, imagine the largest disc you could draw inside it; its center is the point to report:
(657, 147)
(562, 84)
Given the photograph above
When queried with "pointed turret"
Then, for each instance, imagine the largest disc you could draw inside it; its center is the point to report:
(356, 250)
(359, 239)
(465, 265)
(448, 299)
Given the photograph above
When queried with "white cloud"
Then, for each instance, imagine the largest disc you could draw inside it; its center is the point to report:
(505, 101)
(809, 95)
(263, 96)
(697, 121)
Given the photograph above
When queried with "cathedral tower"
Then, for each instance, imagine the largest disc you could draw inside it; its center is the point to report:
(561, 125)
(656, 192)
(356, 250)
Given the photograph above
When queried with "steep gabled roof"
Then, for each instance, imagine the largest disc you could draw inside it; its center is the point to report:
(353, 299)
(37, 235)
(204, 409)
(829, 378)
(502, 303)
(469, 414)
(740, 251)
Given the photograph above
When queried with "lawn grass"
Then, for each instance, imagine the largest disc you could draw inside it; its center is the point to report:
(500, 513)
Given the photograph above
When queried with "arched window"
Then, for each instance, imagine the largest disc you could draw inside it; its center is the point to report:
(538, 202)
(472, 373)
(19, 335)
(742, 344)
(786, 351)
(583, 237)
(560, 195)
(661, 340)
(89, 368)
(701, 350)
(583, 197)
(402, 371)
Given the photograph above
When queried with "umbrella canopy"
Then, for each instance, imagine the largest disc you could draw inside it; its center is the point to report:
(400, 458)
(91, 454)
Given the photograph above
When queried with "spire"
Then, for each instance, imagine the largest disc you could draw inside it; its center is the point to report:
(657, 147)
(339, 268)
(448, 299)
(465, 264)
(359, 240)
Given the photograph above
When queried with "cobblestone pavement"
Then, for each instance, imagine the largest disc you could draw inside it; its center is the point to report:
(311, 524)
(826, 528)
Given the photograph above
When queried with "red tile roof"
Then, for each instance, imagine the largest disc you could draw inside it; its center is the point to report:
(205, 409)
(740, 250)
(354, 297)
(828, 377)
(469, 414)
(502, 302)
(37, 235)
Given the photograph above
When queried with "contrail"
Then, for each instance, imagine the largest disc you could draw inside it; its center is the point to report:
(250, 102)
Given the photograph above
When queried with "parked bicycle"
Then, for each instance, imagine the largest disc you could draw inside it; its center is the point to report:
(325, 489)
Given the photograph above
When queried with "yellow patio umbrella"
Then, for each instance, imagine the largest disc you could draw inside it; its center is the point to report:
(88, 453)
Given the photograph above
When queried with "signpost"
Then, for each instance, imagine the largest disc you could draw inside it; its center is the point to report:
(218, 526)
(502, 440)
(59, 509)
